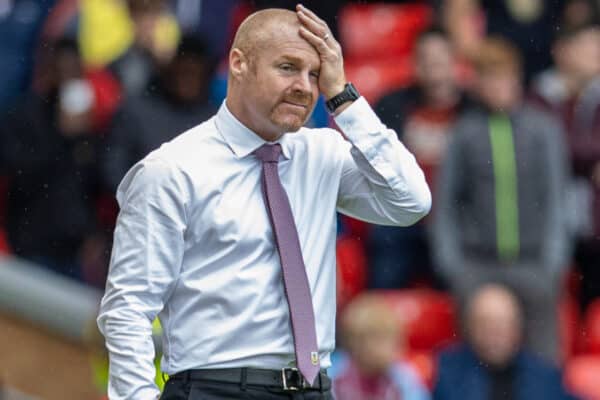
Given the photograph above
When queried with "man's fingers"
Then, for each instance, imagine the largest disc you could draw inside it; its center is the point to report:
(315, 40)
(312, 16)
(312, 25)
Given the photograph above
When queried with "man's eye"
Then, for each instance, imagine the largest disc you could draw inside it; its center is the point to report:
(314, 75)
(286, 67)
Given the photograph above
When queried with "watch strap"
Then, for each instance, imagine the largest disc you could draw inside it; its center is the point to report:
(348, 94)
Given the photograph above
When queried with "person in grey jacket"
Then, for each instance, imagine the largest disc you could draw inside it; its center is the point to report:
(500, 198)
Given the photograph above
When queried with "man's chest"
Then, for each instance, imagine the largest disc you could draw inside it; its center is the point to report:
(227, 209)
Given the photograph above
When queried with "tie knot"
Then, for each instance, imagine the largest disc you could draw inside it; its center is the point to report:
(268, 152)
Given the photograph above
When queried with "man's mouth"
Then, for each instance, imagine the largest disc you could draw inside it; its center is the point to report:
(293, 104)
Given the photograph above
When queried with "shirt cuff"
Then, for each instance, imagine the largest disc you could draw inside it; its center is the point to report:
(358, 121)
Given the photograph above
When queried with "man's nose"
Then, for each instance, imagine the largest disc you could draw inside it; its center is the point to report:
(302, 83)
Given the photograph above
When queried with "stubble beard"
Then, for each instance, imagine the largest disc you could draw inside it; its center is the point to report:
(292, 122)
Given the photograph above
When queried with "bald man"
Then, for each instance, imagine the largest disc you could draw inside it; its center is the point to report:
(227, 233)
(493, 364)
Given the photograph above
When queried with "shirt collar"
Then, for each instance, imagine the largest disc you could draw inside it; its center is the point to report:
(240, 138)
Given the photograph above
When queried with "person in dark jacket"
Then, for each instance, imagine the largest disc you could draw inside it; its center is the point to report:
(493, 364)
(423, 116)
(499, 214)
(139, 63)
(571, 91)
(175, 102)
(49, 152)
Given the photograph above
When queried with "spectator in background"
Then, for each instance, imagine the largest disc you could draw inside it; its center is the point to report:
(492, 363)
(571, 90)
(370, 333)
(529, 24)
(499, 214)
(177, 101)
(422, 115)
(20, 24)
(141, 61)
(49, 153)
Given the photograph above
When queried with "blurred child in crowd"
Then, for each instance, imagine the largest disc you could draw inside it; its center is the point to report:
(373, 338)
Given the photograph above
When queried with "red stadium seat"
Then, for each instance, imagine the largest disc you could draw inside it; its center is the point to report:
(355, 227)
(591, 329)
(582, 377)
(352, 269)
(4, 248)
(375, 78)
(381, 30)
(568, 317)
(428, 317)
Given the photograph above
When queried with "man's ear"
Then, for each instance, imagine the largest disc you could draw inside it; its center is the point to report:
(238, 63)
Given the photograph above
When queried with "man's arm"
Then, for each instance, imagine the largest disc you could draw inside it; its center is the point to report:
(146, 260)
(381, 181)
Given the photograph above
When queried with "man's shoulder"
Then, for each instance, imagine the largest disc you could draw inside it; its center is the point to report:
(534, 364)
(190, 145)
(470, 126)
(318, 143)
(314, 136)
(541, 125)
(457, 357)
(323, 134)
(533, 110)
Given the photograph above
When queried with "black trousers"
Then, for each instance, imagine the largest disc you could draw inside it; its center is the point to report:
(178, 389)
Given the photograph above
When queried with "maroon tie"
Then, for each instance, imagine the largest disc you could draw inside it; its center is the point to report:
(295, 280)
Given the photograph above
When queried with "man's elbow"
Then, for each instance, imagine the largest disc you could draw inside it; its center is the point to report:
(422, 206)
(418, 208)
(423, 203)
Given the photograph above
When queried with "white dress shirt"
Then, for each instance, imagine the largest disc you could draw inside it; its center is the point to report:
(194, 245)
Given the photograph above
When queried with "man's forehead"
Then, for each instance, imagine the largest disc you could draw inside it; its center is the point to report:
(272, 34)
(297, 50)
(262, 25)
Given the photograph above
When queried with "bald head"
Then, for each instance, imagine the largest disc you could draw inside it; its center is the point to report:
(273, 74)
(262, 27)
(494, 324)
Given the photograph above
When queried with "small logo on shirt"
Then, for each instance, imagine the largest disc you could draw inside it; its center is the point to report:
(314, 358)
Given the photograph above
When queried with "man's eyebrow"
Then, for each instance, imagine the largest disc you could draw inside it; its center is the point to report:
(288, 57)
(295, 60)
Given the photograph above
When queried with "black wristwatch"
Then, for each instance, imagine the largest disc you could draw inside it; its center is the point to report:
(348, 94)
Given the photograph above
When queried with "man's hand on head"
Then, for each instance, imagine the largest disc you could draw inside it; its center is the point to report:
(315, 31)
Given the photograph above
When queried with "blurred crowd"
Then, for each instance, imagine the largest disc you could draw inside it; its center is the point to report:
(499, 100)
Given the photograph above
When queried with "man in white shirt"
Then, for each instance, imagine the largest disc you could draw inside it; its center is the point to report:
(202, 238)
